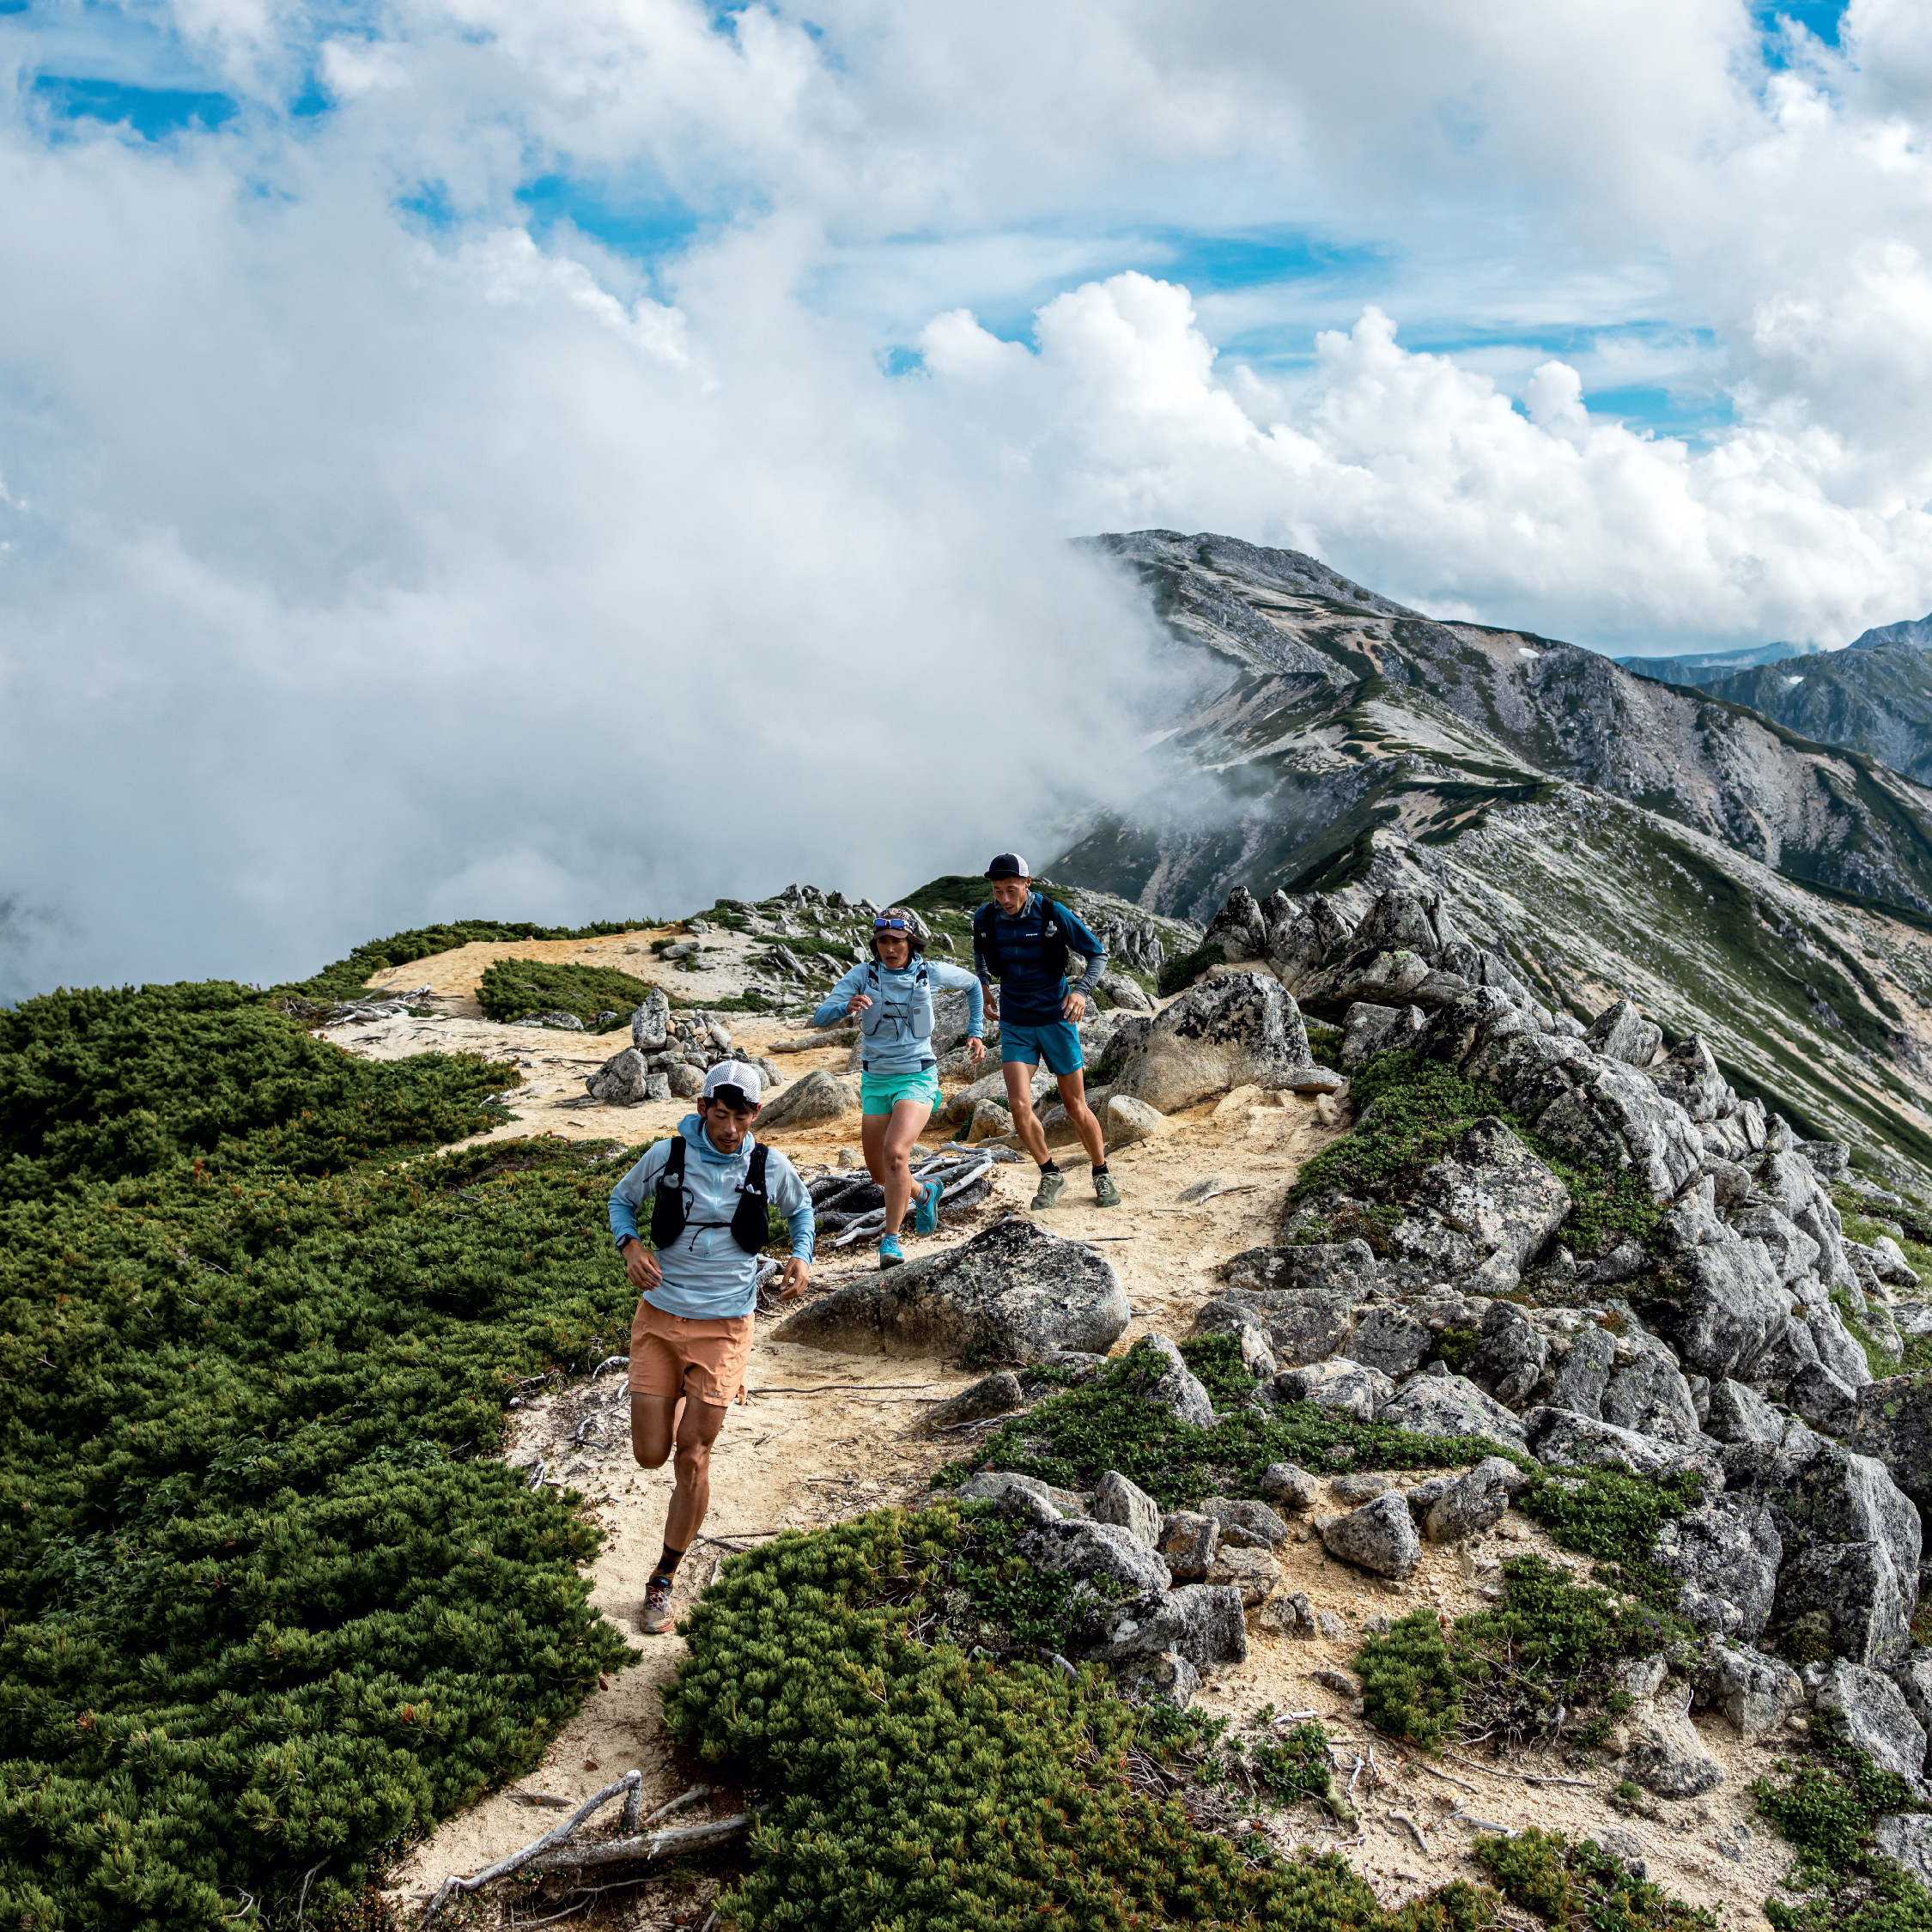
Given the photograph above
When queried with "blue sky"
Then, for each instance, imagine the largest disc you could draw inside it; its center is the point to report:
(1273, 286)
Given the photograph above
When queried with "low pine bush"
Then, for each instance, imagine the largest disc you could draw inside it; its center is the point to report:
(510, 988)
(913, 1784)
(347, 979)
(1409, 1685)
(1184, 968)
(265, 1606)
(1575, 1882)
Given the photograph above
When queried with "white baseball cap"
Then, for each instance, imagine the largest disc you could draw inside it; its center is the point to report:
(734, 1073)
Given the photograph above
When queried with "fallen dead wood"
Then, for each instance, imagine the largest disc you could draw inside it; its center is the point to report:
(630, 1787)
(648, 1845)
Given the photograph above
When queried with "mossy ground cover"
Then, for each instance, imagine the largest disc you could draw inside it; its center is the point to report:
(1576, 1882)
(1071, 1440)
(348, 978)
(1410, 1113)
(266, 1605)
(1825, 1807)
(602, 997)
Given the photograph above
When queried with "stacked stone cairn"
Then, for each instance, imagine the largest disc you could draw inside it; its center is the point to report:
(668, 1056)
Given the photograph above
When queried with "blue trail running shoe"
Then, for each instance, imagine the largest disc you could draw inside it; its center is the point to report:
(890, 1252)
(925, 1215)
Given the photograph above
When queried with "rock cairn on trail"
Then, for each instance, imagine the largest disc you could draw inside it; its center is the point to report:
(668, 1056)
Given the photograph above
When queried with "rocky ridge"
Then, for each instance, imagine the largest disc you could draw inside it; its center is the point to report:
(1605, 833)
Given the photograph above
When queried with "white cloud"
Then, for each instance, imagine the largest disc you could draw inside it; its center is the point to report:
(350, 552)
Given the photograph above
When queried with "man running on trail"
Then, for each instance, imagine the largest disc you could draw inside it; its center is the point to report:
(1022, 940)
(690, 1340)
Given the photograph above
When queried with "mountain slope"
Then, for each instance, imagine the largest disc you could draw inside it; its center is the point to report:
(1877, 699)
(1610, 832)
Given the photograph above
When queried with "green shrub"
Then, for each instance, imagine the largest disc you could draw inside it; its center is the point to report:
(1324, 1044)
(913, 1785)
(263, 1604)
(1409, 1685)
(1576, 1882)
(347, 978)
(1184, 968)
(140, 1082)
(1603, 1513)
(512, 987)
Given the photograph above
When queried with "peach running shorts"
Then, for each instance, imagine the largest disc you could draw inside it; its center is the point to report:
(672, 1355)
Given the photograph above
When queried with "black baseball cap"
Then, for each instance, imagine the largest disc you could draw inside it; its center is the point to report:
(1009, 864)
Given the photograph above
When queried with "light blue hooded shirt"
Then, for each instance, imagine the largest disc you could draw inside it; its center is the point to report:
(895, 1031)
(708, 1277)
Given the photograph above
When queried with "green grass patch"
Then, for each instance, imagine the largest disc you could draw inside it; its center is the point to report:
(1539, 1663)
(1324, 1043)
(512, 987)
(1409, 1114)
(1826, 1807)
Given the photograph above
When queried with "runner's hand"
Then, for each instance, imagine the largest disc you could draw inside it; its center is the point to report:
(798, 1277)
(858, 1003)
(975, 1050)
(641, 1265)
(1074, 1006)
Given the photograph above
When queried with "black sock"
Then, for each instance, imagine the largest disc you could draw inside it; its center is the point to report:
(1100, 1170)
(1049, 1166)
(667, 1563)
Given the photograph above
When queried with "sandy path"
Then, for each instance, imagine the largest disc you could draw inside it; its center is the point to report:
(791, 1459)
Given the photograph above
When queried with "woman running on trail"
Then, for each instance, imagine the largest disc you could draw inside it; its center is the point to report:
(891, 994)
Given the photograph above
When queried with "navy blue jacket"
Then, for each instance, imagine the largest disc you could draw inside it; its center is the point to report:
(1027, 958)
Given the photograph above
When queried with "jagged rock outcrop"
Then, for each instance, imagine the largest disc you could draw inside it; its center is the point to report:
(1239, 1029)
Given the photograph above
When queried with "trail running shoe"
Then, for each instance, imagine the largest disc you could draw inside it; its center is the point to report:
(890, 1252)
(657, 1618)
(1105, 1193)
(1052, 1187)
(926, 1216)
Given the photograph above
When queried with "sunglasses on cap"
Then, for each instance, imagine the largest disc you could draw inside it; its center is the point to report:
(888, 926)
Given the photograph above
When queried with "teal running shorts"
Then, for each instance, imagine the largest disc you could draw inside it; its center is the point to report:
(879, 1093)
(1058, 1044)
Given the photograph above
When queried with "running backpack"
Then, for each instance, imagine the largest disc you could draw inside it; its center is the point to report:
(748, 1224)
(1056, 945)
(912, 1020)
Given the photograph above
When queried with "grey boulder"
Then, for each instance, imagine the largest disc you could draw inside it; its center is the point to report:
(1004, 1485)
(1168, 1383)
(1166, 1677)
(821, 1095)
(650, 1025)
(1726, 1553)
(1016, 1287)
(1894, 1424)
(1621, 1032)
(1667, 1756)
(1508, 1363)
(1241, 1028)
(1475, 1501)
(1380, 1536)
(1205, 1623)
(1739, 1414)
(1585, 1374)
(999, 1394)
(1389, 1338)
(1652, 1397)
(623, 1080)
(1756, 1694)
(1566, 1440)
(1495, 1190)
(1086, 1551)
(1118, 1500)
(1244, 1522)
(1289, 1485)
(1450, 1406)
(1188, 1543)
(1906, 1836)
(1352, 1388)
(1869, 1712)
(1736, 1306)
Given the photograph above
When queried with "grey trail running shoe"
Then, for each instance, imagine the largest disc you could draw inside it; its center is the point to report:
(657, 1618)
(1105, 1193)
(1052, 1187)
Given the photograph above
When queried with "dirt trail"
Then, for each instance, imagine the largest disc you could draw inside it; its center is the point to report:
(791, 1458)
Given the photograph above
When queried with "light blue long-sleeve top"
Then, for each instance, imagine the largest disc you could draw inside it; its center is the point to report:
(895, 1031)
(708, 1277)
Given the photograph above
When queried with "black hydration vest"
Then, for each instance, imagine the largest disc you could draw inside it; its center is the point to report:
(748, 1224)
